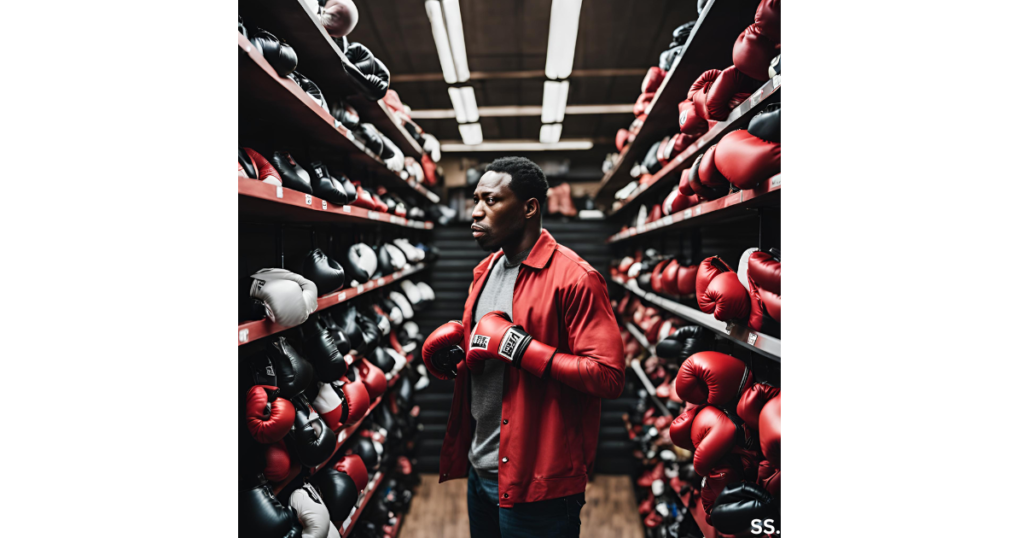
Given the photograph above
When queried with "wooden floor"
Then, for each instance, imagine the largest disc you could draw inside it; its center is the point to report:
(440, 510)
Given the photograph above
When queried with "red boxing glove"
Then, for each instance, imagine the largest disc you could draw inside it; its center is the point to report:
(680, 429)
(371, 377)
(714, 435)
(769, 478)
(753, 52)
(752, 401)
(279, 462)
(765, 273)
(261, 167)
(268, 417)
(770, 429)
(728, 471)
(442, 350)
(745, 160)
(690, 122)
(653, 79)
(686, 279)
(668, 278)
(729, 89)
(642, 103)
(699, 89)
(621, 139)
(363, 199)
(656, 276)
(719, 291)
(768, 19)
(712, 377)
(353, 466)
(495, 337)
(339, 17)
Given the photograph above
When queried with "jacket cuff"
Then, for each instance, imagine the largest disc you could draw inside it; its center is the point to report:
(536, 358)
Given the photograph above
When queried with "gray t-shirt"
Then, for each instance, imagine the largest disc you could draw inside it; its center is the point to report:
(486, 387)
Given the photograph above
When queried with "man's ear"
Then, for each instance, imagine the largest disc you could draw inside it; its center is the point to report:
(532, 208)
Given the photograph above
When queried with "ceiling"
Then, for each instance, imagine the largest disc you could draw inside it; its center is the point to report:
(503, 36)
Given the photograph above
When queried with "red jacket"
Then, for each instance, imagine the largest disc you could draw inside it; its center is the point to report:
(551, 412)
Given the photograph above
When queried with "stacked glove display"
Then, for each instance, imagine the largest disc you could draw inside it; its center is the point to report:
(760, 42)
(716, 92)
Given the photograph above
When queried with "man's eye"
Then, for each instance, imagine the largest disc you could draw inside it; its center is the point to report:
(490, 200)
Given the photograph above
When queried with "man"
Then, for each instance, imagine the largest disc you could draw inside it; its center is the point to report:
(541, 350)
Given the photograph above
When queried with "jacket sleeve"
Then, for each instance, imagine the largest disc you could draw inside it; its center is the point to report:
(596, 365)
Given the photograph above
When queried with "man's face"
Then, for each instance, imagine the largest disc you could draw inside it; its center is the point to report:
(498, 214)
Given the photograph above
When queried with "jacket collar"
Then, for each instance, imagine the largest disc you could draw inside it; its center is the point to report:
(542, 251)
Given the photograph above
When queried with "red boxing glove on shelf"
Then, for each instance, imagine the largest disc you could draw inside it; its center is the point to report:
(719, 291)
(496, 337)
(268, 417)
(712, 377)
(752, 402)
(745, 160)
(764, 275)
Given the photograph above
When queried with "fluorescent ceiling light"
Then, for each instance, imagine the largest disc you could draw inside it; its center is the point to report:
(453, 20)
(471, 134)
(550, 133)
(444, 51)
(565, 22)
(457, 104)
(469, 102)
(517, 145)
(555, 96)
(514, 111)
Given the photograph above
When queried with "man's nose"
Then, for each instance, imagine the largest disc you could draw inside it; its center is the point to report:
(478, 210)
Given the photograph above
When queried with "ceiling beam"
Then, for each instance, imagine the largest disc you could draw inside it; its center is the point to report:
(515, 111)
(537, 74)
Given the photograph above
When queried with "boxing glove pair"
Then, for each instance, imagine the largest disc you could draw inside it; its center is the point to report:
(744, 160)
(312, 513)
(255, 166)
(360, 263)
(704, 179)
(268, 417)
(287, 298)
(720, 292)
(327, 274)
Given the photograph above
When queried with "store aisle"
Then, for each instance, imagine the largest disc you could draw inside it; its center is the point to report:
(440, 510)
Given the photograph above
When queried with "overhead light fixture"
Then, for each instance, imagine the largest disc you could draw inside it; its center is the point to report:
(444, 50)
(471, 133)
(555, 96)
(453, 21)
(550, 133)
(457, 104)
(514, 111)
(516, 145)
(565, 23)
(469, 102)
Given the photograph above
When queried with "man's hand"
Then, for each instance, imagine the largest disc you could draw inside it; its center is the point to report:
(495, 337)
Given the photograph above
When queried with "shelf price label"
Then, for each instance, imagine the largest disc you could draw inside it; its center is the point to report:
(309, 199)
(346, 209)
(359, 288)
(280, 191)
(687, 213)
(751, 338)
(243, 335)
(776, 81)
(342, 296)
(756, 97)
(776, 181)
(323, 204)
(380, 281)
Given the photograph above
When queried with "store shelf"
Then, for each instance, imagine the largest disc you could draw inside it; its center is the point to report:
(739, 118)
(323, 62)
(251, 331)
(768, 193)
(761, 343)
(709, 47)
(288, 113)
(638, 369)
(371, 488)
(256, 198)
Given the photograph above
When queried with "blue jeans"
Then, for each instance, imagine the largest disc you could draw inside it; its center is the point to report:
(554, 518)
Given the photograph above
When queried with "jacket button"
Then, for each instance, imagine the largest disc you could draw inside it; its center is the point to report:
(504, 421)
(506, 495)
(504, 460)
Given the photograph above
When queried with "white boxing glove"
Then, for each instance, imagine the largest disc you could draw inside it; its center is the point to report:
(316, 521)
(426, 291)
(403, 304)
(398, 259)
(287, 297)
(413, 294)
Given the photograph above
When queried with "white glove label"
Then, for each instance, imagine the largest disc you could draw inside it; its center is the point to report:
(243, 335)
(479, 341)
(309, 199)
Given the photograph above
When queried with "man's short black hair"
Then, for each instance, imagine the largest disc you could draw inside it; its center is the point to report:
(528, 179)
